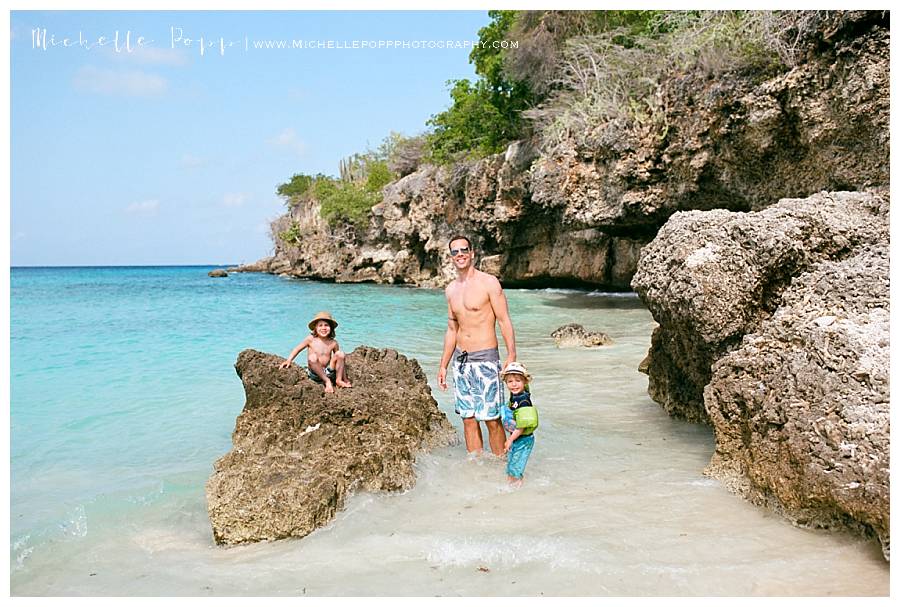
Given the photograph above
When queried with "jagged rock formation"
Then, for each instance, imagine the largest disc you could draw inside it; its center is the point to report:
(709, 278)
(580, 214)
(270, 265)
(217, 274)
(801, 409)
(574, 335)
(298, 452)
(774, 328)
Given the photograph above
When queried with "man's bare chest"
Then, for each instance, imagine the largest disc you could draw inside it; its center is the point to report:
(469, 300)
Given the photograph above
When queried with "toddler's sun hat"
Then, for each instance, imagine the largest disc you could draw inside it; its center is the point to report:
(516, 367)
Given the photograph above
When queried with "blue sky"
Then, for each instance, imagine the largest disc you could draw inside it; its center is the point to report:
(167, 156)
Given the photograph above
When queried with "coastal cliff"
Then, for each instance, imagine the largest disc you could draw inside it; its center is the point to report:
(580, 212)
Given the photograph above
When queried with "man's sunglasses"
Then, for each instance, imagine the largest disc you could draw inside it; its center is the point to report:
(455, 252)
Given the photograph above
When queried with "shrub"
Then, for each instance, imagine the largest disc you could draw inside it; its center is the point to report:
(542, 36)
(292, 234)
(379, 175)
(297, 187)
(406, 154)
(484, 116)
(348, 200)
(473, 127)
(347, 203)
(323, 188)
(616, 75)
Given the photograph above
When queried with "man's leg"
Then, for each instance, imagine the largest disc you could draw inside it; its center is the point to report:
(472, 432)
(496, 436)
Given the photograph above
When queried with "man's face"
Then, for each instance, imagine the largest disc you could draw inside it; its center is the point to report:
(460, 253)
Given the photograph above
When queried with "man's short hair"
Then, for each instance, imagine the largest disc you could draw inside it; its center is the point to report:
(460, 237)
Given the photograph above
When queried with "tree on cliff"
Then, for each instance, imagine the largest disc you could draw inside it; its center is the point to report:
(487, 115)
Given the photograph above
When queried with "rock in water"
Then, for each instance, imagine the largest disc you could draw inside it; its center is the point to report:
(298, 452)
(217, 274)
(710, 277)
(774, 328)
(574, 335)
(802, 411)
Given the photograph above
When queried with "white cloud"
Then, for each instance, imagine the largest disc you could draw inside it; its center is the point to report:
(149, 55)
(233, 200)
(133, 83)
(144, 208)
(288, 139)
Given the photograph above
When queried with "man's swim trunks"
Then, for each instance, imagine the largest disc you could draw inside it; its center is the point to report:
(479, 390)
(331, 373)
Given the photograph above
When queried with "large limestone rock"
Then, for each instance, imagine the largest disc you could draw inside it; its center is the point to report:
(801, 409)
(711, 277)
(773, 327)
(298, 453)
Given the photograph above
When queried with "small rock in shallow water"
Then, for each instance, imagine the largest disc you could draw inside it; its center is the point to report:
(574, 335)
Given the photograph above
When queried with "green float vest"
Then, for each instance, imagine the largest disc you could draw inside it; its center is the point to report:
(526, 418)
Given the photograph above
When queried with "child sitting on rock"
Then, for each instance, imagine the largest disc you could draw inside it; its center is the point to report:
(520, 419)
(325, 360)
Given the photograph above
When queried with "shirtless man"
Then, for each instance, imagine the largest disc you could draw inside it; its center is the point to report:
(475, 302)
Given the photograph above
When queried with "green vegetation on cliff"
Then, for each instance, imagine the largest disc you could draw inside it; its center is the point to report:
(349, 198)
(487, 115)
(570, 71)
(562, 75)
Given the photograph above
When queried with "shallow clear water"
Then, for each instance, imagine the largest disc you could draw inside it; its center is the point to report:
(123, 393)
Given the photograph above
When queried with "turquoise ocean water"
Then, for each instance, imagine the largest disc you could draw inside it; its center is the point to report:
(123, 394)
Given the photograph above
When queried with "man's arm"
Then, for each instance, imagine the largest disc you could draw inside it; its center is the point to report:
(300, 347)
(501, 313)
(449, 346)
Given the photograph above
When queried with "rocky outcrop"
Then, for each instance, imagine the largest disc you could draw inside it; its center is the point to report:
(580, 213)
(773, 327)
(271, 265)
(217, 274)
(298, 452)
(574, 335)
(711, 277)
(801, 409)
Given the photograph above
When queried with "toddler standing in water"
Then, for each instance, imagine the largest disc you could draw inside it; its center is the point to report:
(520, 419)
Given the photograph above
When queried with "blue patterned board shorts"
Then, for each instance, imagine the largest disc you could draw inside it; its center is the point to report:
(329, 373)
(518, 455)
(479, 391)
